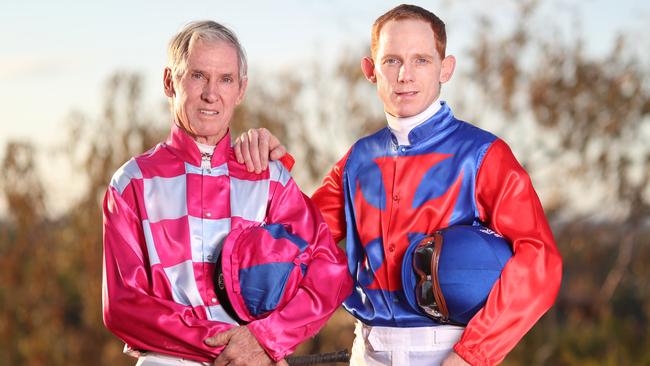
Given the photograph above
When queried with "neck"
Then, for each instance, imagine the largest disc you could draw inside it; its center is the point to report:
(205, 140)
(204, 148)
(402, 126)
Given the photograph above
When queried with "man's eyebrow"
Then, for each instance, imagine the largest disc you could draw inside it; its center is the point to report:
(424, 55)
(390, 55)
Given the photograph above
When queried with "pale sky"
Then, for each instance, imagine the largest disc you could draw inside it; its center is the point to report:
(56, 55)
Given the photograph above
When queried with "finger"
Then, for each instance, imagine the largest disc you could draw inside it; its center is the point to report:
(255, 150)
(264, 148)
(219, 361)
(282, 362)
(229, 354)
(219, 339)
(278, 152)
(237, 148)
(246, 152)
(273, 141)
(234, 353)
(222, 359)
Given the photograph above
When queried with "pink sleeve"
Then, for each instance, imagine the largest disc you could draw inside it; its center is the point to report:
(530, 281)
(326, 284)
(329, 199)
(131, 311)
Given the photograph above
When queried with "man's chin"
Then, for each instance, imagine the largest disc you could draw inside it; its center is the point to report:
(405, 112)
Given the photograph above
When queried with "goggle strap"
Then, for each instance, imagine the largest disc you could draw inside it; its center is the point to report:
(437, 291)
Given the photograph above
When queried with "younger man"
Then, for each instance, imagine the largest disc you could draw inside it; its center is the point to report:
(425, 171)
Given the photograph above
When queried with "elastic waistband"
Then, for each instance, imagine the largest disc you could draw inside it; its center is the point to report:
(159, 359)
(413, 339)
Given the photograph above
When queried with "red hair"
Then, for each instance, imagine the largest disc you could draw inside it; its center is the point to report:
(406, 11)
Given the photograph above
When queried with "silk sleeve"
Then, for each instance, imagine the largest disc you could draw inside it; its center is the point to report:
(329, 198)
(529, 283)
(143, 320)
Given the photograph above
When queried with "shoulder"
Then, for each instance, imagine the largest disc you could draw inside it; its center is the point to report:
(380, 137)
(370, 146)
(132, 169)
(500, 149)
(125, 174)
(278, 173)
(467, 131)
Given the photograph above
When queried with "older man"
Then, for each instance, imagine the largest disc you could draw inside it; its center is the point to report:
(425, 171)
(167, 212)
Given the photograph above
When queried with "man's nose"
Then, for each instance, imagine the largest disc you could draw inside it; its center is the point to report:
(405, 73)
(210, 92)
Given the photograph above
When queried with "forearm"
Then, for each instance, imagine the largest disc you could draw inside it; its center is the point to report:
(526, 290)
(141, 314)
(324, 287)
(530, 281)
(147, 323)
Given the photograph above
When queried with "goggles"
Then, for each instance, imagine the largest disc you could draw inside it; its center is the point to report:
(427, 290)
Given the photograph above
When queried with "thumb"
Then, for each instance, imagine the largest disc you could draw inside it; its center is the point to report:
(278, 152)
(219, 339)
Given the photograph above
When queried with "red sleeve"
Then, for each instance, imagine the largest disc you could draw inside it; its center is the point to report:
(330, 199)
(288, 161)
(530, 281)
(131, 311)
(327, 281)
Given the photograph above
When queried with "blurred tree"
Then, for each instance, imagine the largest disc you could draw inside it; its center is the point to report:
(98, 147)
(588, 138)
(50, 270)
(24, 277)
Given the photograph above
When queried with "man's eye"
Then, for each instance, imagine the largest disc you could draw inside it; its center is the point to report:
(197, 75)
(422, 61)
(391, 61)
(228, 80)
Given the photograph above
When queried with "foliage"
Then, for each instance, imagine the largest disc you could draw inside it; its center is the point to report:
(589, 133)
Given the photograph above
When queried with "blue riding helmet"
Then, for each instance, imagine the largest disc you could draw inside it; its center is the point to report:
(449, 275)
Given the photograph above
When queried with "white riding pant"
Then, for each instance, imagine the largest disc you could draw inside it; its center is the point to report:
(420, 346)
(158, 359)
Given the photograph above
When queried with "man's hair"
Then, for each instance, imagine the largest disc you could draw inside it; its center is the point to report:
(207, 30)
(405, 11)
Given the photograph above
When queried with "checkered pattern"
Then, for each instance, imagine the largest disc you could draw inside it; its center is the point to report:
(165, 221)
(196, 222)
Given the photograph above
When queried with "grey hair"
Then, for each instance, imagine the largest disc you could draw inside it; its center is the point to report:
(179, 46)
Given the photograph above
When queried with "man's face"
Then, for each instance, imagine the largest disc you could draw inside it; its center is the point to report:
(205, 96)
(407, 67)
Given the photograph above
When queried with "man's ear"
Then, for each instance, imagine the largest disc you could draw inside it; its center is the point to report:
(168, 82)
(368, 69)
(447, 68)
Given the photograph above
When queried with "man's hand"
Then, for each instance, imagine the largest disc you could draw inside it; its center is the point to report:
(454, 360)
(256, 147)
(241, 349)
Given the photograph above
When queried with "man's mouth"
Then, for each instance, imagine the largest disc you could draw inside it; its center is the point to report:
(406, 93)
(208, 112)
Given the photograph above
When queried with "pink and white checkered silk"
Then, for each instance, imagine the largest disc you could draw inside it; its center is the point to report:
(165, 220)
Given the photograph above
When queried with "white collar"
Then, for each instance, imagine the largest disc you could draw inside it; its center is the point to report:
(205, 149)
(401, 127)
